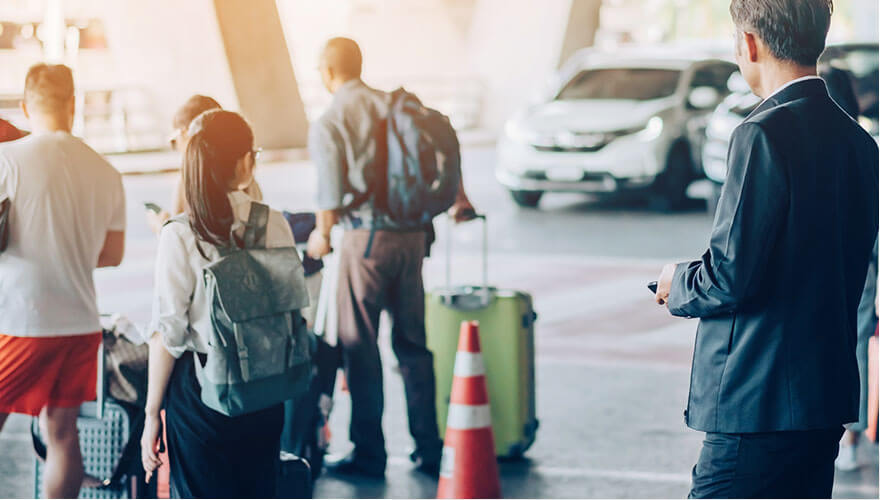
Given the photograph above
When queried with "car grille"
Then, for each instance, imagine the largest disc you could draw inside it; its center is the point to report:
(587, 177)
(569, 149)
(581, 142)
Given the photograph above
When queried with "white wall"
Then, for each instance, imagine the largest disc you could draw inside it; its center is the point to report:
(515, 45)
(170, 47)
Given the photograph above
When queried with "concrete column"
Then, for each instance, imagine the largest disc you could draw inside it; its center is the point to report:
(262, 72)
(516, 45)
(231, 50)
(580, 31)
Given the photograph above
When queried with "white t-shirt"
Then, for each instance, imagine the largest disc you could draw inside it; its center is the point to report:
(180, 302)
(65, 198)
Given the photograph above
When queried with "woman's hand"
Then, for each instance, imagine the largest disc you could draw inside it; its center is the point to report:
(157, 220)
(150, 444)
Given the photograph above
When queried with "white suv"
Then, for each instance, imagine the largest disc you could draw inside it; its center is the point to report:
(615, 121)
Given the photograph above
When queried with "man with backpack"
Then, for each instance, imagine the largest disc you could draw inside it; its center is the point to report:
(386, 166)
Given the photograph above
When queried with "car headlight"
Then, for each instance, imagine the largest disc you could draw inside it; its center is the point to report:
(652, 130)
(519, 134)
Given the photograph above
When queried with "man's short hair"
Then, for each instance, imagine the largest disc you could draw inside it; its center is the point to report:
(344, 56)
(794, 30)
(193, 107)
(48, 87)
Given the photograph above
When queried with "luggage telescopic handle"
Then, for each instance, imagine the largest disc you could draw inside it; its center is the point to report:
(101, 380)
(485, 253)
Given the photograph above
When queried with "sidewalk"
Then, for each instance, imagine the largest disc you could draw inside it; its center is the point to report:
(158, 162)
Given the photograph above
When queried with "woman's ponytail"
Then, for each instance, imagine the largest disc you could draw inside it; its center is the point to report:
(218, 140)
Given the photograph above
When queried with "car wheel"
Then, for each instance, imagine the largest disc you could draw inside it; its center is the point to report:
(528, 199)
(669, 191)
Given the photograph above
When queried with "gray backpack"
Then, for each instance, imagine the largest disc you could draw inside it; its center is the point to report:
(259, 353)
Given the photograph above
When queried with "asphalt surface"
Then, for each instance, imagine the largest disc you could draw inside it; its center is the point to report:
(612, 368)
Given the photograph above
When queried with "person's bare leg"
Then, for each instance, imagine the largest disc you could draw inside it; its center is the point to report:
(64, 468)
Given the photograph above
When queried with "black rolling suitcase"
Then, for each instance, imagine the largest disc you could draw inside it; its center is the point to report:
(109, 437)
(305, 433)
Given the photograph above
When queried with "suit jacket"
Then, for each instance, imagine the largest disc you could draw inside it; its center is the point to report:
(778, 291)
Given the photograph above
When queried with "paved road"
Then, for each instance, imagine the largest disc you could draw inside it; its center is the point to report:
(612, 368)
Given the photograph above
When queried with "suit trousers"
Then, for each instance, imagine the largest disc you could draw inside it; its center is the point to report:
(389, 279)
(792, 464)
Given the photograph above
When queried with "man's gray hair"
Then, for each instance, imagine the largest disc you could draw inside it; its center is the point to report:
(794, 30)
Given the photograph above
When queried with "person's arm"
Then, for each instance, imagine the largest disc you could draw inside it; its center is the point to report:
(751, 209)
(319, 240)
(325, 150)
(161, 364)
(463, 209)
(174, 284)
(113, 249)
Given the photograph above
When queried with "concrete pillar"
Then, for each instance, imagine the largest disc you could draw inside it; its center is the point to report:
(580, 31)
(231, 50)
(262, 72)
(516, 45)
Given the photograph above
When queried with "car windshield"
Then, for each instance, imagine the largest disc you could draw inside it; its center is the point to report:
(621, 83)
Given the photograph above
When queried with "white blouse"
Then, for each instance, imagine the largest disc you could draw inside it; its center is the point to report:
(180, 308)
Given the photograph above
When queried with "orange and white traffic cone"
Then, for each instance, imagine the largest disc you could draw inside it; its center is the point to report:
(469, 468)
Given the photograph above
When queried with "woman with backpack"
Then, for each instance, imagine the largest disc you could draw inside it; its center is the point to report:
(211, 454)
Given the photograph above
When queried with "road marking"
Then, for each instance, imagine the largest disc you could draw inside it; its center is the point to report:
(627, 365)
(869, 491)
(583, 472)
(554, 472)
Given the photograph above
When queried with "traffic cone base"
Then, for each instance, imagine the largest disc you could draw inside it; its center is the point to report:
(469, 468)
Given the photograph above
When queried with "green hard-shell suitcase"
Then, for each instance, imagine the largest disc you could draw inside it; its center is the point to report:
(507, 341)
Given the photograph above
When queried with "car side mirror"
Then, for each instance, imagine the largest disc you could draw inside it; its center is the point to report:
(704, 98)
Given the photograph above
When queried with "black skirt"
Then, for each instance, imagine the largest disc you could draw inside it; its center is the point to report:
(215, 456)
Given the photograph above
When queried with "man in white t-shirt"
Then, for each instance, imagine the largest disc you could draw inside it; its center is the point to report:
(66, 217)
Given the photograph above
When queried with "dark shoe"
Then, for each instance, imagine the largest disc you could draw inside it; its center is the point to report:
(430, 466)
(349, 466)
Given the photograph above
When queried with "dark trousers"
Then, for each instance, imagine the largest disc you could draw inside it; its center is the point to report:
(796, 464)
(215, 456)
(389, 279)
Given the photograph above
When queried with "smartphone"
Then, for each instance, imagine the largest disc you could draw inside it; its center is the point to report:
(152, 207)
(653, 287)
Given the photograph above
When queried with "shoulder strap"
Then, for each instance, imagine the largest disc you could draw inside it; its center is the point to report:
(179, 218)
(255, 231)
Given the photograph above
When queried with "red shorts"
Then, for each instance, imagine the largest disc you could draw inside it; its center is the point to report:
(39, 372)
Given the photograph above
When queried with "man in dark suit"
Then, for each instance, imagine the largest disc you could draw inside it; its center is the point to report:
(774, 374)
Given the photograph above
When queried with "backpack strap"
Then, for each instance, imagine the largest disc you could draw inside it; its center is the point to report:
(255, 231)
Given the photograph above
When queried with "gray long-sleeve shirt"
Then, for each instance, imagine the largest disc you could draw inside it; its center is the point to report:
(342, 146)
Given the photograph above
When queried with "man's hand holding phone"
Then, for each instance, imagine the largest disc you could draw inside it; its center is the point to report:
(663, 284)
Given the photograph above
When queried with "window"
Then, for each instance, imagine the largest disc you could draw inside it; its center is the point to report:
(621, 83)
(713, 75)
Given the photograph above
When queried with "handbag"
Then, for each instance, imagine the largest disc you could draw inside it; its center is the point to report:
(126, 369)
(5, 206)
